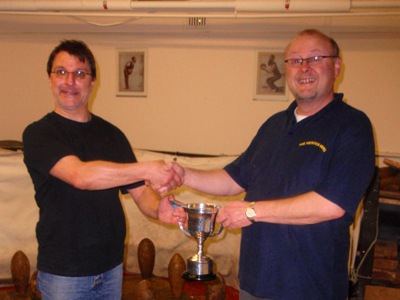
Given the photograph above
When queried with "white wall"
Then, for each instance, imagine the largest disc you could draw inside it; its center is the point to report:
(200, 85)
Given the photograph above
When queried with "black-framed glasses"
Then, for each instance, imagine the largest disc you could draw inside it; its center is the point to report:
(313, 60)
(78, 74)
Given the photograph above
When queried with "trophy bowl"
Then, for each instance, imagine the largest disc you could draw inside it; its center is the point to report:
(200, 226)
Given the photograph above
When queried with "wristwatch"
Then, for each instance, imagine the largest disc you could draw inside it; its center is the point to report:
(250, 212)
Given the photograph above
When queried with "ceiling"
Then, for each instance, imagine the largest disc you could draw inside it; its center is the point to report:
(257, 17)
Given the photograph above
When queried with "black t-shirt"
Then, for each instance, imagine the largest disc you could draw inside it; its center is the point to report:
(80, 232)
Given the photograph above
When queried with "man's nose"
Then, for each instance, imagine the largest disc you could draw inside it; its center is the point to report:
(71, 77)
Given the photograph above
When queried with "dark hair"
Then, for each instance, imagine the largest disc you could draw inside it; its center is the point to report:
(75, 48)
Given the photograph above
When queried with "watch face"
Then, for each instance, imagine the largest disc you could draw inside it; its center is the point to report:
(250, 213)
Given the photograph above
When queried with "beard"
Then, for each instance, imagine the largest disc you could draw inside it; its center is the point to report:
(305, 96)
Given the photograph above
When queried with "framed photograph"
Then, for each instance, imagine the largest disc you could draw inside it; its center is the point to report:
(271, 77)
(131, 73)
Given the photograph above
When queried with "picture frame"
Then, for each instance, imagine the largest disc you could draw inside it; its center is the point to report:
(270, 76)
(131, 73)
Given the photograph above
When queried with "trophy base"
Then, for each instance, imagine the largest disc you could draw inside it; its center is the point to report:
(199, 268)
(194, 277)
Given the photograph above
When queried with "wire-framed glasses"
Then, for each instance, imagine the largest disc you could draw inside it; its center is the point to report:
(77, 75)
(313, 60)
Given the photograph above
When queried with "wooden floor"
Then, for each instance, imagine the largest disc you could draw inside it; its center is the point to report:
(160, 289)
(385, 284)
(381, 293)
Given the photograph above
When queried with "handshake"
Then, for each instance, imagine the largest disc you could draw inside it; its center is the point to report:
(164, 177)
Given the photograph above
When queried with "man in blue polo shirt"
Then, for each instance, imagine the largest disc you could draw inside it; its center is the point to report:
(304, 175)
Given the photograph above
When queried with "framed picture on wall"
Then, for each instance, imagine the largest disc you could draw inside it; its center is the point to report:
(270, 76)
(131, 73)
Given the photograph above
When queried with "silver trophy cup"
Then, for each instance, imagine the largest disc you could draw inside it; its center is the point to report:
(201, 221)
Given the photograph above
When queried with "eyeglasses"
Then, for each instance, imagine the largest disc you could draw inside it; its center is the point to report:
(313, 60)
(77, 75)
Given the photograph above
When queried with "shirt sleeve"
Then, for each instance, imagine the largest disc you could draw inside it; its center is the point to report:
(351, 166)
(43, 147)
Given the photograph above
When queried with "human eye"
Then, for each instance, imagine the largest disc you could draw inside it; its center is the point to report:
(314, 59)
(60, 72)
(318, 58)
(80, 74)
(297, 61)
(294, 61)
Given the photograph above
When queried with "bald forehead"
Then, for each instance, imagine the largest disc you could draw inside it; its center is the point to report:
(315, 41)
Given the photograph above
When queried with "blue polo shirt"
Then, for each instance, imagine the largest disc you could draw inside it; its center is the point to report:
(331, 153)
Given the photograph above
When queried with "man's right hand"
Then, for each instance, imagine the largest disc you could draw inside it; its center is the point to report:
(162, 177)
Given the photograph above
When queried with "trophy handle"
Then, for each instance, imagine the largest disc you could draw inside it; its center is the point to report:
(184, 229)
(221, 227)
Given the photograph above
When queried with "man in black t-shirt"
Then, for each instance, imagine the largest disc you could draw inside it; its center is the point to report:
(78, 163)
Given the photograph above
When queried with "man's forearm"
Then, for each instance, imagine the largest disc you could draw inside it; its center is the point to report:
(97, 175)
(215, 182)
(308, 208)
